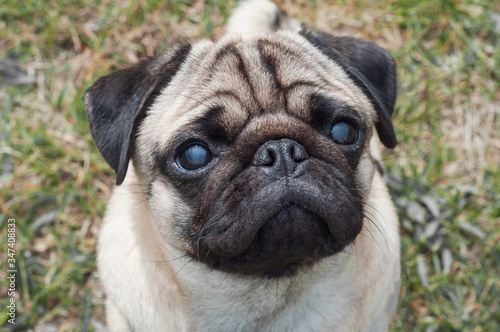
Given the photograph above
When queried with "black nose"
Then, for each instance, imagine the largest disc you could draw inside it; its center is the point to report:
(281, 158)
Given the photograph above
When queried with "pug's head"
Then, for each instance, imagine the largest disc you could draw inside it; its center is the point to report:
(253, 151)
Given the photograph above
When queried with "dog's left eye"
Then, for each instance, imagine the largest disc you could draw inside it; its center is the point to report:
(194, 156)
(344, 133)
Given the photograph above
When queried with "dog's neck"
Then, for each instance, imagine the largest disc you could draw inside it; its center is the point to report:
(266, 304)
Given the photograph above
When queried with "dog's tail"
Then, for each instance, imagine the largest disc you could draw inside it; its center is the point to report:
(259, 15)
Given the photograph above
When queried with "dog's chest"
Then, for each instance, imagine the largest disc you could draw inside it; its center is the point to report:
(274, 305)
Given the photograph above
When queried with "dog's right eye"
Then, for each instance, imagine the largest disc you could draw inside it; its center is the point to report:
(194, 156)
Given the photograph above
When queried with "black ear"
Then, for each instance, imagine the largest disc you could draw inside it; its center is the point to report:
(116, 105)
(371, 68)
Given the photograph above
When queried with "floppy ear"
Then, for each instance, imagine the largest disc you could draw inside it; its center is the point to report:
(116, 105)
(371, 68)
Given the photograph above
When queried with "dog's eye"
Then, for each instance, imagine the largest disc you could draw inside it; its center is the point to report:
(194, 156)
(344, 133)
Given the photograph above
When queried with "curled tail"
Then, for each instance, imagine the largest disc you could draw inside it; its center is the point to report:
(259, 16)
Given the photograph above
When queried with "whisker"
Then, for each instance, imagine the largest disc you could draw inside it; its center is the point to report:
(211, 222)
(207, 103)
(176, 273)
(374, 221)
(156, 261)
(373, 238)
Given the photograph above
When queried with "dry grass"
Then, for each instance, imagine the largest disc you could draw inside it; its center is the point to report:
(447, 121)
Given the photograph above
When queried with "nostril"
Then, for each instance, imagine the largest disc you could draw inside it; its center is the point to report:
(264, 156)
(298, 153)
(269, 157)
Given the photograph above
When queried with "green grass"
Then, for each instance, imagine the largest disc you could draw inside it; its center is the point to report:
(55, 184)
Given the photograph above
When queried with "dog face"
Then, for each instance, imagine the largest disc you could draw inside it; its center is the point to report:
(253, 152)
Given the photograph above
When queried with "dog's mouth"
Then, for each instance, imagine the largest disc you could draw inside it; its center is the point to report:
(277, 230)
(292, 238)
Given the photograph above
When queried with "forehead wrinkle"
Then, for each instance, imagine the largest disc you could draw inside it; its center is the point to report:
(222, 119)
(225, 74)
(329, 70)
(233, 114)
(298, 96)
(231, 93)
(288, 65)
(260, 77)
(296, 46)
(294, 68)
(297, 77)
(293, 72)
(326, 78)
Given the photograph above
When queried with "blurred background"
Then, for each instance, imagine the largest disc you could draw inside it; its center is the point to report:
(444, 175)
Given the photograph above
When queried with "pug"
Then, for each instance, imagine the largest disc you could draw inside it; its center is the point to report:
(248, 195)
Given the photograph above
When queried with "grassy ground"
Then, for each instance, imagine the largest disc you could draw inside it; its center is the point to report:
(444, 175)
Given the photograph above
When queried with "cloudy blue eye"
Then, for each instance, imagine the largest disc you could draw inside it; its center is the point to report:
(344, 133)
(194, 156)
